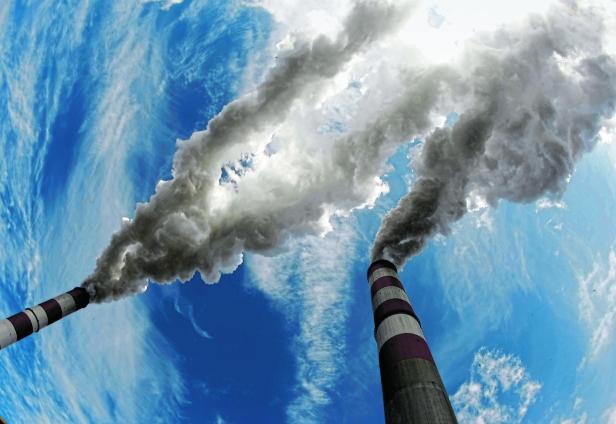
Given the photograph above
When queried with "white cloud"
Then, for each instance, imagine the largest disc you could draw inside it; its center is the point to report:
(164, 4)
(597, 300)
(577, 415)
(582, 419)
(185, 309)
(312, 284)
(312, 16)
(546, 203)
(499, 390)
(609, 416)
(577, 404)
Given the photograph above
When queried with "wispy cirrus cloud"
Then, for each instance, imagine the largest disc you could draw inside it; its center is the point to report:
(164, 4)
(312, 285)
(187, 310)
(104, 364)
(597, 305)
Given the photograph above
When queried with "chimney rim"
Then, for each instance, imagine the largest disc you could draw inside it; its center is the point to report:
(380, 263)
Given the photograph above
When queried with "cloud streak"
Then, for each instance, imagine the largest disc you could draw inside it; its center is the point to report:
(597, 294)
(313, 288)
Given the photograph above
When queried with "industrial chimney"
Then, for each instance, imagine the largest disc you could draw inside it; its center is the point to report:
(33, 319)
(413, 392)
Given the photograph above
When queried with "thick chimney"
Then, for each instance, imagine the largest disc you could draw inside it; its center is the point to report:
(33, 319)
(413, 392)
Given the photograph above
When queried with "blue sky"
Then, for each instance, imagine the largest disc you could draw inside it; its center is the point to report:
(518, 303)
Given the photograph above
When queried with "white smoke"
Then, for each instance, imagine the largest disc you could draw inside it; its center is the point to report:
(314, 137)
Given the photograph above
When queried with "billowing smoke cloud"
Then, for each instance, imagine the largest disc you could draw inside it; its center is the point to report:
(180, 230)
(531, 100)
(537, 98)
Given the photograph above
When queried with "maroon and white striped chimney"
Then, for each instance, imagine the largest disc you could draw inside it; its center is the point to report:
(33, 319)
(413, 391)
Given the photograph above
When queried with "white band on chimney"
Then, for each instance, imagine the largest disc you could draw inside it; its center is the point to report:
(388, 293)
(382, 272)
(33, 320)
(41, 315)
(67, 303)
(395, 325)
(7, 333)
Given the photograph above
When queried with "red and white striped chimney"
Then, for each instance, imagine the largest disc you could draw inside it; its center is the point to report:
(33, 319)
(413, 391)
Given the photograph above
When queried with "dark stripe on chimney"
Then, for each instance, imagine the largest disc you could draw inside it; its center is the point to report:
(404, 346)
(392, 307)
(52, 309)
(22, 325)
(381, 263)
(81, 297)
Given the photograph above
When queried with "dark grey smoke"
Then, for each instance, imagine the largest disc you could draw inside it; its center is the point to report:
(537, 98)
(178, 231)
(531, 99)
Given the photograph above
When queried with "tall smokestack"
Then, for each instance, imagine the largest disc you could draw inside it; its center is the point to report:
(33, 319)
(413, 391)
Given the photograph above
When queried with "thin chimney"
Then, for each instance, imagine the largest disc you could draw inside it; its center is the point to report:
(33, 319)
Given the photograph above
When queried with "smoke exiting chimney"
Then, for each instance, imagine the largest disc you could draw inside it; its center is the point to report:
(33, 319)
(413, 391)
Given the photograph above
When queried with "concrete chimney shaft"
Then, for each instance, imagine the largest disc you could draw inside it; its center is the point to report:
(413, 392)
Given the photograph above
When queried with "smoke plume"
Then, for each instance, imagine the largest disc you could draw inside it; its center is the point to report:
(180, 230)
(538, 96)
(530, 98)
